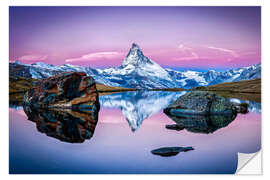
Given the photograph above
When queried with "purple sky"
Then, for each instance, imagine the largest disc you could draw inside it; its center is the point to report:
(181, 37)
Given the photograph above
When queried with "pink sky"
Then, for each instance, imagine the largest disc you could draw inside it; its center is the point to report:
(197, 37)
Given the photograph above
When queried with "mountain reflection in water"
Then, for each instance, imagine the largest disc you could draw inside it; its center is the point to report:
(64, 124)
(139, 105)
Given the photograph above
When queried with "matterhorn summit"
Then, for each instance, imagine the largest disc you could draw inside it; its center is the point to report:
(142, 65)
(135, 57)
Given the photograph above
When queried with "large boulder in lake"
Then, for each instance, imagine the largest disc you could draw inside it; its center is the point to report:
(201, 103)
(67, 90)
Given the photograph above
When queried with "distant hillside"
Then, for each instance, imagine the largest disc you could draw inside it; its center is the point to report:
(247, 90)
(20, 84)
(247, 86)
(104, 88)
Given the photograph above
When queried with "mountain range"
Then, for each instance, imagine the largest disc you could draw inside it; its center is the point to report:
(138, 71)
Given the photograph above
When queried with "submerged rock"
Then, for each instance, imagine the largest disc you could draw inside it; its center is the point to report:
(67, 90)
(201, 103)
(176, 127)
(64, 124)
(170, 151)
(201, 124)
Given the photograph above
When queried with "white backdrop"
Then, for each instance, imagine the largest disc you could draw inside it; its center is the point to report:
(4, 34)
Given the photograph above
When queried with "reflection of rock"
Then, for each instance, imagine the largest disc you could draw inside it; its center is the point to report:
(201, 103)
(73, 90)
(202, 124)
(64, 124)
(252, 106)
(139, 105)
(170, 151)
(242, 108)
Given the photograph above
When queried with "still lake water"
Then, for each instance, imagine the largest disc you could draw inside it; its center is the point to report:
(129, 126)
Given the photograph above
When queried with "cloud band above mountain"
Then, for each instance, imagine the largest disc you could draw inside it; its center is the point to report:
(97, 56)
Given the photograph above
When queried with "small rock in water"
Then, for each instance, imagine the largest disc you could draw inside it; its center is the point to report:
(176, 127)
(170, 151)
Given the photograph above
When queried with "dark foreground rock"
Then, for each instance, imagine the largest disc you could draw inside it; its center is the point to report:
(201, 103)
(67, 90)
(170, 151)
(200, 124)
(64, 124)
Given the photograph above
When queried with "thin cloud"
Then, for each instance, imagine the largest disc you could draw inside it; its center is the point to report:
(96, 56)
(192, 55)
(249, 53)
(33, 57)
(233, 53)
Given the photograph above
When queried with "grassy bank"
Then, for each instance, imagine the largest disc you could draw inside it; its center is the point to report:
(104, 90)
(247, 86)
(246, 90)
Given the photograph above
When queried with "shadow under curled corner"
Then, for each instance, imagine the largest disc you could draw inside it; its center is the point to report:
(249, 163)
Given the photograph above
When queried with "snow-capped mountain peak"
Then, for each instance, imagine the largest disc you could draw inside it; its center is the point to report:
(137, 63)
(42, 65)
(135, 57)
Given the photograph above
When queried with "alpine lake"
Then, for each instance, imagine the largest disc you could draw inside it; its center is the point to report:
(120, 137)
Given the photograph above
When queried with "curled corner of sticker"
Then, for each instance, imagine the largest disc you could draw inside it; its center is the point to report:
(249, 163)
